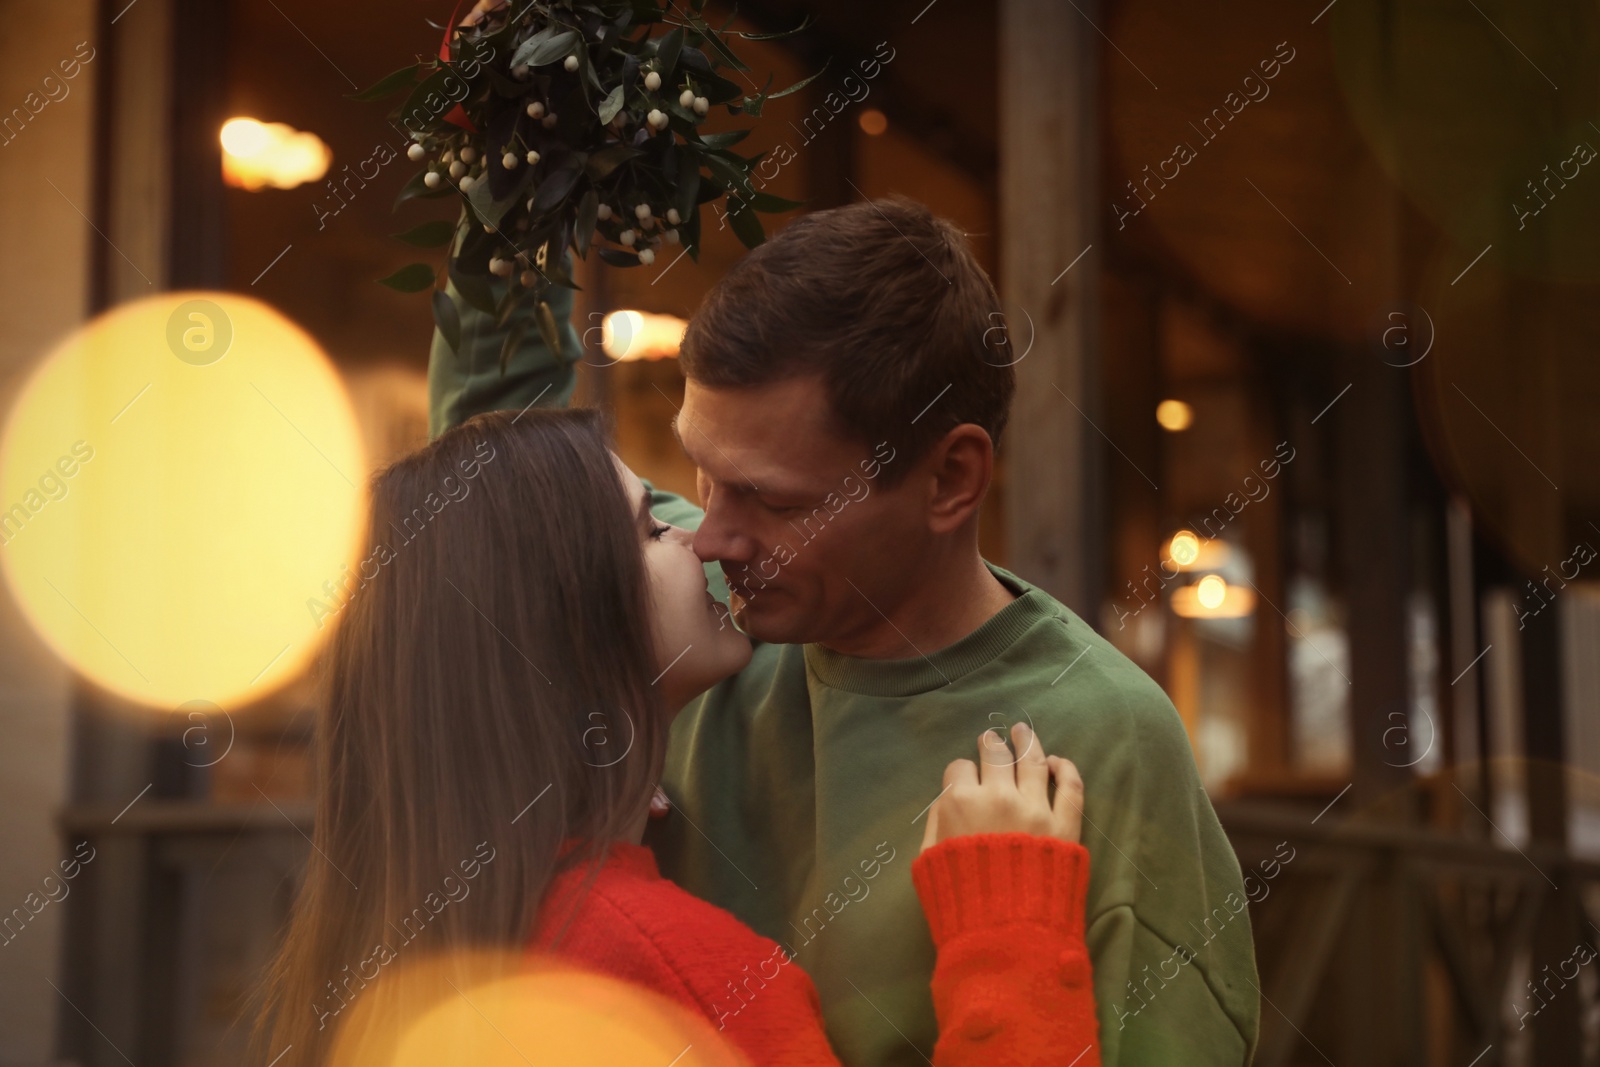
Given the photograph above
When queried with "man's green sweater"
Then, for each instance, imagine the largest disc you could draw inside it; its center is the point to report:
(799, 787)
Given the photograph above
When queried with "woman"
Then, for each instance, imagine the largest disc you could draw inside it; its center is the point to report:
(499, 693)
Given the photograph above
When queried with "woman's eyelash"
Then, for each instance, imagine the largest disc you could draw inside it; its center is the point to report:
(657, 531)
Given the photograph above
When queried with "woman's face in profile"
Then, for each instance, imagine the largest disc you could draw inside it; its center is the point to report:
(696, 643)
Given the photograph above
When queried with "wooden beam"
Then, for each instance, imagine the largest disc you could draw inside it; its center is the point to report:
(1049, 166)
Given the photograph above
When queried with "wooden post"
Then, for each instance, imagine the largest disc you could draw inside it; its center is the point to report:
(112, 751)
(1049, 210)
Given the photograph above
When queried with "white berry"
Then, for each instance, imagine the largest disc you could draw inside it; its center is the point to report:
(415, 153)
(467, 183)
(628, 237)
(671, 236)
(652, 81)
(571, 64)
(646, 256)
(457, 169)
(509, 160)
(533, 157)
(603, 211)
(642, 212)
(673, 216)
(535, 110)
(657, 118)
(432, 179)
(701, 105)
(528, 278)
(468, 154)
(549, 121)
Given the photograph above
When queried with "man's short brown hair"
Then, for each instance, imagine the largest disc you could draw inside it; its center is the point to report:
(885, 303)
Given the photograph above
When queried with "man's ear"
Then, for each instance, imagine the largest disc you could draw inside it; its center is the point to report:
(960, 467)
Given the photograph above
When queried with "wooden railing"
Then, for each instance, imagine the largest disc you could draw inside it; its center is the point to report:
(1382, 945)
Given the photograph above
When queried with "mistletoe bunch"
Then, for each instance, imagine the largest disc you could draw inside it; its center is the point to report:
(570, 124)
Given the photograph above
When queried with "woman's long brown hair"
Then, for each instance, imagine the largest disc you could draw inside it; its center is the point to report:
(481, 686)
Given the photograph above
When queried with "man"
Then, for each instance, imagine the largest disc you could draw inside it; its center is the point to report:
(845, 395)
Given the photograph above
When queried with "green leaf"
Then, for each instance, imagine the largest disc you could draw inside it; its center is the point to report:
(801, 84)
(688, 186)
(695, 60)
(609, 159)
(770, 203)
(590, 76)
(667, 50)
(752, 105)
(546, 46)
(732, 176)
(474, 288)
(720, 54)
(611, 105)
(583, 227)
(417, 189)
(416, 106)
(391, 83)
(412, 278)
(512, 342)
(488, 209)
(726, 139)
(557, 184)
(742, 217)
(547, 328)
(779, 35)
(447, 318)
(482, 202)
(715, 88)
(507, 308)
(555, 270)
(429, 234)
(689, 232)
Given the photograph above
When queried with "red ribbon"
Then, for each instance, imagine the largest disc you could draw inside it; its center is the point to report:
(458, 115)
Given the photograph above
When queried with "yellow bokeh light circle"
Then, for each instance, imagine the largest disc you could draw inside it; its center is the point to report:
(1184, 548)
(538, 1010)
(1174, 415)
(177, 479)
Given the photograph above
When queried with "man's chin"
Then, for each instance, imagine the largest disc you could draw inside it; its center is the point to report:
(764, 622)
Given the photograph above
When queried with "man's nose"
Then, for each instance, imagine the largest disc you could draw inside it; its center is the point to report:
(719, 539)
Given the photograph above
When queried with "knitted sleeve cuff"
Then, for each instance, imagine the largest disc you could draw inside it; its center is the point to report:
(978, 881)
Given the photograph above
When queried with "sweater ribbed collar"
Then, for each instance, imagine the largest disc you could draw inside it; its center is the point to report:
(937, 669)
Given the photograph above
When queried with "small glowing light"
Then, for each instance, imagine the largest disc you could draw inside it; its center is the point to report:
(1188, 551)
(244, 137)
(630, 335)
(257, 154)
(1213, 598)
(1184, 548)
(873, 121)
(1174, 415)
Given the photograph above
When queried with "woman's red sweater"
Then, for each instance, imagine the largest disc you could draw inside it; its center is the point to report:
(1011, 986)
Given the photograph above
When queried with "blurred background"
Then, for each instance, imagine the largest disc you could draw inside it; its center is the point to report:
(1305, 301)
